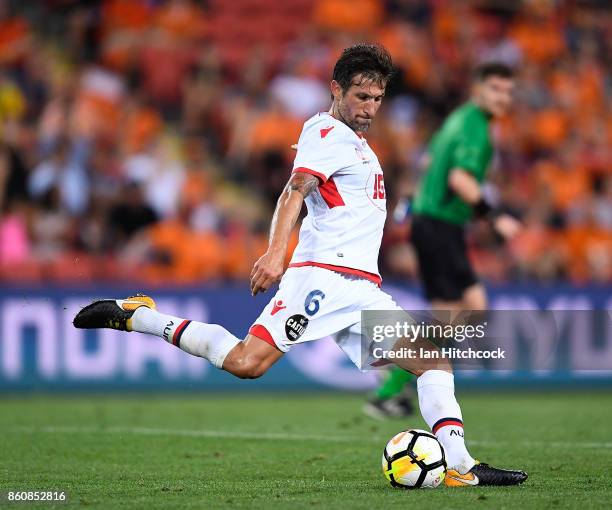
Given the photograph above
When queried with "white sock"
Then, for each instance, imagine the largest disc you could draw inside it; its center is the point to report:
(209, 341)
(436, 389)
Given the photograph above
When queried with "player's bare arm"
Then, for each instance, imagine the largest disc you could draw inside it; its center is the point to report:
(269, 268)
(468, 188)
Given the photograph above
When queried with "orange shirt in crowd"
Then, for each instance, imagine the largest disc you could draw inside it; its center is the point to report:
(541, 40)
(181, 20)
(567, 186)
(275, 130)
(132, 15)
(590, 252)
(14, 37)
(549, 127)
(95, 116)
(123, 26)
(409, 49)
(348, 15)
(182, 256)
(140, 129)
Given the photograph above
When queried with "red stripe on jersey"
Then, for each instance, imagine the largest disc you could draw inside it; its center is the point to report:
(342, 269)
(262, 333)
(330, 194)
(311, 172)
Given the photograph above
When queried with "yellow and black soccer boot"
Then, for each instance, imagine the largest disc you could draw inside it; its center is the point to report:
(482, 474)
(111, 313)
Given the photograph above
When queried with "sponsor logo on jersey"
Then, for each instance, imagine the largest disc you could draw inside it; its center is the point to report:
(278, 306)
(295, 327)
(325, 131)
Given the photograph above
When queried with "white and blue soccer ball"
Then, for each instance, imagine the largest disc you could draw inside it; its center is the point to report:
(414, 459)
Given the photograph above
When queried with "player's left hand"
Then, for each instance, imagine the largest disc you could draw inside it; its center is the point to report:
(266, 272)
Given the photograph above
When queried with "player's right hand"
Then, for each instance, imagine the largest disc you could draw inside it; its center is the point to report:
(267, 271)
(507, 226)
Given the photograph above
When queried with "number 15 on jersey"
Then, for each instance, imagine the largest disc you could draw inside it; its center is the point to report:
(379, 187)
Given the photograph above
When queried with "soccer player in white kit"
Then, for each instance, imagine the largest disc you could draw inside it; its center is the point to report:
(333, 274)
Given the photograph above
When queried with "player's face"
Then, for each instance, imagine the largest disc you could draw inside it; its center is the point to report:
(358, 106)
(495, 95)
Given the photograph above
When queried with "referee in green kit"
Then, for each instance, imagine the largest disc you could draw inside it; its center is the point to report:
(448, 197)
(450, 193)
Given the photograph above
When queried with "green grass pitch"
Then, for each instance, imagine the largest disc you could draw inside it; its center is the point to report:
(292, 451)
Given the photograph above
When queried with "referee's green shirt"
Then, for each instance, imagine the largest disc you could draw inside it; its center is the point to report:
(463, 141)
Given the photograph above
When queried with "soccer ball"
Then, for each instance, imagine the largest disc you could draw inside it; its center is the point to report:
(413, 459)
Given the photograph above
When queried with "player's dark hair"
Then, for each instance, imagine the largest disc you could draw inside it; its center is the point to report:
(488, 69)
(371, 61)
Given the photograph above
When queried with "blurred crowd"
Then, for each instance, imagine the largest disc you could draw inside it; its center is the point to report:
(149, 139)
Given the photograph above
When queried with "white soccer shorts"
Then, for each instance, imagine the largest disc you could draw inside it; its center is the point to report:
(313, 303)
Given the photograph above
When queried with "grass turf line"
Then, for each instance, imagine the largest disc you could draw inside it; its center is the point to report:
(292, 451)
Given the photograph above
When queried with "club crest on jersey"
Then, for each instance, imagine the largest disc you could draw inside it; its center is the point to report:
(295, 327)
(278, 306)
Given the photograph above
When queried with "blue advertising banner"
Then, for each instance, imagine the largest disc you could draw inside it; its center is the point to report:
(40, 350)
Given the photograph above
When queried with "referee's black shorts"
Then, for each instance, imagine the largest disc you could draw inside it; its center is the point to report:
(444, 267)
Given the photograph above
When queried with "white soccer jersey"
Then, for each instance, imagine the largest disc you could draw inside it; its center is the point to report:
(346, 214)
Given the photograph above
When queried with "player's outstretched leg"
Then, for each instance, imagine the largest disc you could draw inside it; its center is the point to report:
(248, 359)
(442, 413)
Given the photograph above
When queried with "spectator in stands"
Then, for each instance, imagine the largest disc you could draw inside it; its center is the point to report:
(189, 100)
